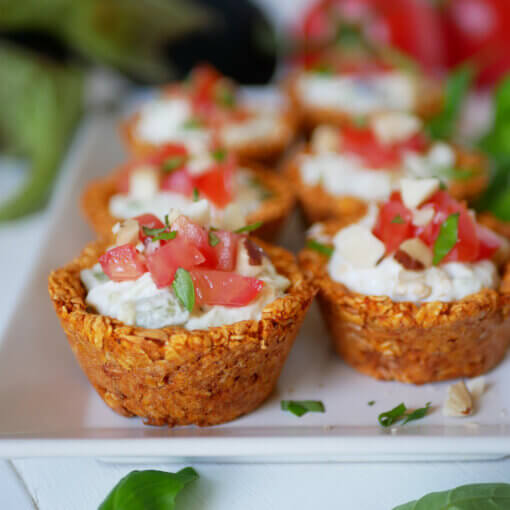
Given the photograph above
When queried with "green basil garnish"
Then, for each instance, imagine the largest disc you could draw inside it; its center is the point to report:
(388, 418)
(165, 236)
(301, 407)
(398, 219)
(213, 239)
(447, 238)
(225, 96)
(417, 414)
(249, 228)
(479, 496)
(141, 490)
(193, 123)
(323, 70)
(184, 289)
(324, 249)
(160, 234)
(173, 163)
(196, 195)
(219, 155)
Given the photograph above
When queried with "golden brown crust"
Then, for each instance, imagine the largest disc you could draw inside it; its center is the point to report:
(174, 376)
(272, 213)
(429, 102)
(319, 205)
(499, 226)
(410, 343)
(264, 151)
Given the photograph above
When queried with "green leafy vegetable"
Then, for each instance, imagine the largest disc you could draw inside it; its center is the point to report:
(159, 234)
(417, 414)
(324, 249)
(301, 407)
(184, 289)
(447, 238)
(213, 239)
(219, 155)
(173, 163)
(371, 402)
(457, 87)
(398, 219)
(249, 228)
(196, 195)
(144, 490)
(388, 418)
(480, 496)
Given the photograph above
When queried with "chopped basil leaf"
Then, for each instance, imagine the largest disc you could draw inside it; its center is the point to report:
(196, 195)
(249, 228)
(324, 249)
(359, 121)
(371, 402)
(417, 414)
(323, 69)
(398, 219)
(193, 123)
(151, 232)
(152, 489)
(447, 238)
(219, 154)
(184, 289)
(159, 234)
(301, 407)
(165, 236)
(225, 96)
(442, 186)
(213, 239)
(388, 418)
(482, 496)
(167, 223)
(173, 163)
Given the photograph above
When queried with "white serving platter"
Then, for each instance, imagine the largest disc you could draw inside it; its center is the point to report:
(49, 409)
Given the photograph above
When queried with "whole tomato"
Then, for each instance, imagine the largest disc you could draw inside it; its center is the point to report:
(413, 26)
(479, 30)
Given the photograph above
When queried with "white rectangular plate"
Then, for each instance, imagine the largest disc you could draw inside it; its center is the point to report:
(49, 409)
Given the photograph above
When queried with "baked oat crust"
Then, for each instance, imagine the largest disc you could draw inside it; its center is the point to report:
(494, 223)
(174, 376)
(405, 342)
(273, 212)
(319, 205)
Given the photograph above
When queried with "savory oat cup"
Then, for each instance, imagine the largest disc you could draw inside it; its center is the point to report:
(344, 168)
(209, 107)
(336, 87)
(174, 178)
(416, 291)
(181, 324)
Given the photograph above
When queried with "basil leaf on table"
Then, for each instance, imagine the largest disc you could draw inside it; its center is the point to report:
(144, 490)
(457, 87)
(447, 238)
(301, 407)
(480, 496)
(388, 418)
(184, 288)
(417, 414)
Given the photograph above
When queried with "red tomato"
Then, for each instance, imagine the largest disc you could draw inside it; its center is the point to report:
(364, 143)
(166, 151)
(489, 242)
(479, 30)
(123, 263)
(204, 78)
(414, 26)
(197, 236)
(393, 224)
(149, 221)
(224, 288)
(216, 185)
(164, 262)
(226, 250)
(179, 181)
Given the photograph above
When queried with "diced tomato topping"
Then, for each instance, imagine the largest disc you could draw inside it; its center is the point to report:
(179, 181)
(394, 223)
(226, 250)
(197, 236)
(204, 78)
(123, 263)
(166, 151)
(224, 288)
(164, 262)
(364, 143)
(149, 221)
(489, 242)
(217, 184)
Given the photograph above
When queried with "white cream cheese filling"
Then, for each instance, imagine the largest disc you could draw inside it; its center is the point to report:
(247, 199)
(141, 303)
(447, 282)
(260, 127)
(358, 95)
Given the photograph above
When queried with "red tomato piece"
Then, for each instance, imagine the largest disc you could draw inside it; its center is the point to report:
(203, 78)
(149, 221)
(224, 288)
(179, 181)
(164, 262)
(216, 185)
(123, 263)
(226, 250)
(489, 242)
(394, 223)
(168, 150)
(197, 236)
